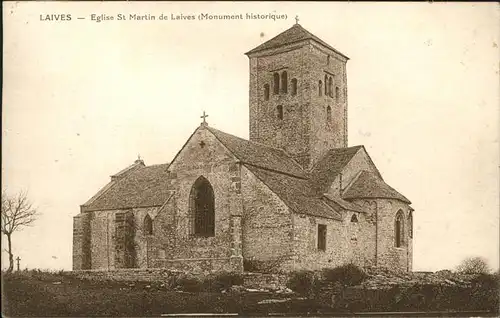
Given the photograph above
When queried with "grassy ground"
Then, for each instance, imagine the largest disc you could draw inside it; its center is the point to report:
(38, 293)
(58, 295)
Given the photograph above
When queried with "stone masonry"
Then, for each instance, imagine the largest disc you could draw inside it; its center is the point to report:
(295, 196)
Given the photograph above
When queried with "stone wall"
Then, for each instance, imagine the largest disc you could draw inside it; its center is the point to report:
(81, 242)
(304, 131)
(362, 235)
(292, 132)
(388, 255)
(102, 238)
(143, 241)
(116, 238)
(125, 251)
(305, 239)
(326, 134)
(360, 161)
(173, 239)
(267, 223)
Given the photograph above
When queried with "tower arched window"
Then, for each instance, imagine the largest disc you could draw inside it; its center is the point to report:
(284, 82)
(330, 87)
(337, 93)
(148, 225)
(294, 86)
(326, 85)
(328, 114)
(279, 110)
(354, 218)
(266, 91)
(399, 229)
(276, 83)
(202, 206)
(320, 88)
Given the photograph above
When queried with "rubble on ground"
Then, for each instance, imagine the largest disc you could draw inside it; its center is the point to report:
(381, 278)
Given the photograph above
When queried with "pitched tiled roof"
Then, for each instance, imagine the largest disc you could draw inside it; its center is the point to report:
(295, 34)
(301, 191)
(124, 172)
(330, 165)
(296, 193)
(259, 155)
(369, 185)
(345, 204)
(142, 187)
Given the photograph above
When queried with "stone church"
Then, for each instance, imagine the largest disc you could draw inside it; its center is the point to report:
(294, 196)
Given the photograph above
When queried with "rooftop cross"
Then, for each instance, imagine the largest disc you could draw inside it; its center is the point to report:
(296, 19)
(139, 159)
(204, 116)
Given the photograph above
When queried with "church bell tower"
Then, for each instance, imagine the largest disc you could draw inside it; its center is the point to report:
(298, 95)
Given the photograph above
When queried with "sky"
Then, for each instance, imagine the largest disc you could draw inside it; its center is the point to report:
(81, 100)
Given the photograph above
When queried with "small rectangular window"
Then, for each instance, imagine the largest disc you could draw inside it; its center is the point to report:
(322, 237)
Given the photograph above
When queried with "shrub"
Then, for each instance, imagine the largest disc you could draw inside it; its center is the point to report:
(347, 275)
(302, 282)
(473, 265)
(223, 281)
(485, 291)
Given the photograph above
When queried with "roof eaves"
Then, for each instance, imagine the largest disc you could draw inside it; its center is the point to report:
(99, 193)
(337, 215)
(259, 49)
(264, 183)
(345, 204)
(124, 207)
(356, 177)
(373, 164)
(275, 171)
(291, 208)
(184, 146)
(127, 169)
(379, 197)
(211, 129)
(325, 153)
(165, 203)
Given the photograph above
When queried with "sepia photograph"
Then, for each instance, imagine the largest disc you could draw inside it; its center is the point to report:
(252, 159)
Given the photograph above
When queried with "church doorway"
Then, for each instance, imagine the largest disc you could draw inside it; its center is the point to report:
(202, 203)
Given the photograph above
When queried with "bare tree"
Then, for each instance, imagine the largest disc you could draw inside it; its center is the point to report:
(473, 265)
(17, 212)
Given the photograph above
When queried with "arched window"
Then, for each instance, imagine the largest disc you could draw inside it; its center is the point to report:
(330, 87)
(326, 85)
(337, 93)
(328, 115)
(294, 86)
(284, 82)
(279, 109)
(148, 225)
(322, 237)
(202, 204)
(410, 224)
(399, 229)
(320, 88)
(276, 86)
(266, 91)
(354, 218)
